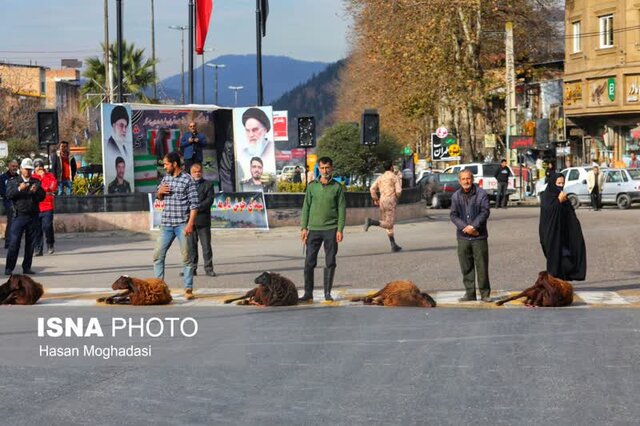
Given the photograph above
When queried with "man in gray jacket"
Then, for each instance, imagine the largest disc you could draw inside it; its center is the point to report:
(469, 213)
(202, 228)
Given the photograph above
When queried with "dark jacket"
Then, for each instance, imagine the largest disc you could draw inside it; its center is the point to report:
(470, 209)
(25, 203)
(4, 178)
(192, 151)
(205, 200)
(56, 166)
(502, 175)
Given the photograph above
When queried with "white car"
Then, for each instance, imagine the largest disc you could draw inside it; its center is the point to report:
(484, 176)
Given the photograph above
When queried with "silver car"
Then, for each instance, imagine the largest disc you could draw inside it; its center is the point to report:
(621, 187)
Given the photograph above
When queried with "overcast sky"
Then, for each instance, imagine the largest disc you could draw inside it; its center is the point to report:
(49, 30)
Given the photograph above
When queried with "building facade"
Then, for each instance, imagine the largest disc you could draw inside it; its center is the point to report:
(602, 79)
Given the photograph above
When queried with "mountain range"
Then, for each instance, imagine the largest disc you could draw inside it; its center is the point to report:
(280, 74)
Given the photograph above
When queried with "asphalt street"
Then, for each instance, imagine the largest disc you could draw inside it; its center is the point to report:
(326, 364)
(364, 259)
(334, 366)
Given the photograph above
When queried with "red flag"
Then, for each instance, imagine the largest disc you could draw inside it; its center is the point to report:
(203, 14)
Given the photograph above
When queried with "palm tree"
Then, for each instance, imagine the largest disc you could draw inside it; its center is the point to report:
(137, 75)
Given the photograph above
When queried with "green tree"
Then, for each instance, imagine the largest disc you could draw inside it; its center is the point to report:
(94, 150)
(137, 75)
(342, 143)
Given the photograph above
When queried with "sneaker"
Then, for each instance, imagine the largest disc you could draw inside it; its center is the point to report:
(487, 299)
(396, 249)
(210, 274)
(38, 253)
(328, 298)
(306, 299)
(188, 294)
(51, 250)
(467, 299)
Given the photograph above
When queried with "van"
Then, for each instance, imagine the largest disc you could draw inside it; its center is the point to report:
(484, 177)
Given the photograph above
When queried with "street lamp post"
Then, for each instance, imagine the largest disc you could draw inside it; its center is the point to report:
(182, 29)
(209, 49)
(236, 89)
(216, 66)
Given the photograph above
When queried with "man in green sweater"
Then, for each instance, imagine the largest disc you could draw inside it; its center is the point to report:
(323, 216)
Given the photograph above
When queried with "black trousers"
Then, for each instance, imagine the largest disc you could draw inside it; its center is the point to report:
(7, 230)
(22, 224)
(502, 197)
(596, 200)
(202, 233)
(474, 262)
(315, 240)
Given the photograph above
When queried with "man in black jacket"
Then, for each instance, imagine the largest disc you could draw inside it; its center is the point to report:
(63, 167)
(469, 213)
(26, 193)
(502, 176)
(12, 171)
(202, 229)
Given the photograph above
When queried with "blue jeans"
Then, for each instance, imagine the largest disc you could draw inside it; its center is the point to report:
(166, 237)
(62, 185)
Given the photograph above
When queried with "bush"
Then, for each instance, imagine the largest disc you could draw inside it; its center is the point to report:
(87, 186)
(357, 188)
(291, 187)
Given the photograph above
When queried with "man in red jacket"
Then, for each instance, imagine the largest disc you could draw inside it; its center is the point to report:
(50, 186)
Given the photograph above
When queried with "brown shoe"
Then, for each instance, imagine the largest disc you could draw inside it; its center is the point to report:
(188, 294)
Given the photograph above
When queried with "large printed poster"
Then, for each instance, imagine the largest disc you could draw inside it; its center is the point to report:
(246, 210)
(254, 149)
(157, 132)
(117, 149)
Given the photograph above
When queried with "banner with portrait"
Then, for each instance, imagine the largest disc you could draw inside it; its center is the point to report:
(246, 210)
(254, 149)
(117, 149)
(158, 130)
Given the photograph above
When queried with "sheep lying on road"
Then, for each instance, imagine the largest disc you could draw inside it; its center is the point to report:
(150, 291)
(548, 291)
(273, 290)
(20, 290)
(399, 293)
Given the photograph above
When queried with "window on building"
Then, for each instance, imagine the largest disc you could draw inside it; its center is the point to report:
(606, 31)
(577, 44)
(43, 87)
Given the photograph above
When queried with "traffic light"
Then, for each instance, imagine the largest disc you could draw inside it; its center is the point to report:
(306, 131)
(370, 127)
(47, 127)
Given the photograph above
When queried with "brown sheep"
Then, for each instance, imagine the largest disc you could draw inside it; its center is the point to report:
(273, 290)
(399, 293)
(20, 290)
(150, 291)
(548, 291)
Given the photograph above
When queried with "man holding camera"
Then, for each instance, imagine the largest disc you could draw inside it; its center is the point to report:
(26, 193)
(191, 145)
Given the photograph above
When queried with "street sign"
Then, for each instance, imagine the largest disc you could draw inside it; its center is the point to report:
(444, 149)
(4, 149)
(442, 132)
(407, 150)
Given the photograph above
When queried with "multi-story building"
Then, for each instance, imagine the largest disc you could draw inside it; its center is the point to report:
(602, 78)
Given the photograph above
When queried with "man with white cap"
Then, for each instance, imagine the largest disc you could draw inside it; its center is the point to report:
(26, 193)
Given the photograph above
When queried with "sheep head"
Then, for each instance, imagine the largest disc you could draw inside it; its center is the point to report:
(264, 278)
(122, 283)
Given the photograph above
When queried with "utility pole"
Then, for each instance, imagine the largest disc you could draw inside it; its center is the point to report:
(191, 49)
(153, 51)
(119, 42)
(216, 66)
(511, 87)
(107, 67)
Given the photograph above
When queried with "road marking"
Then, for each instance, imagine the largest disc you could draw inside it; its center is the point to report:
(211, 297)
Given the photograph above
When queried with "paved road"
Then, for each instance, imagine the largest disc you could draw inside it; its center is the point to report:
(335, 366)
(364, 260)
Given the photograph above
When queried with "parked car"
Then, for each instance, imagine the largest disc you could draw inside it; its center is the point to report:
(286, 175)
(437, 189)
(484, 176)
(621, 186)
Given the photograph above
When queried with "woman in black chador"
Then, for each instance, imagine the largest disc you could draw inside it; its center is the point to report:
(561, 233)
